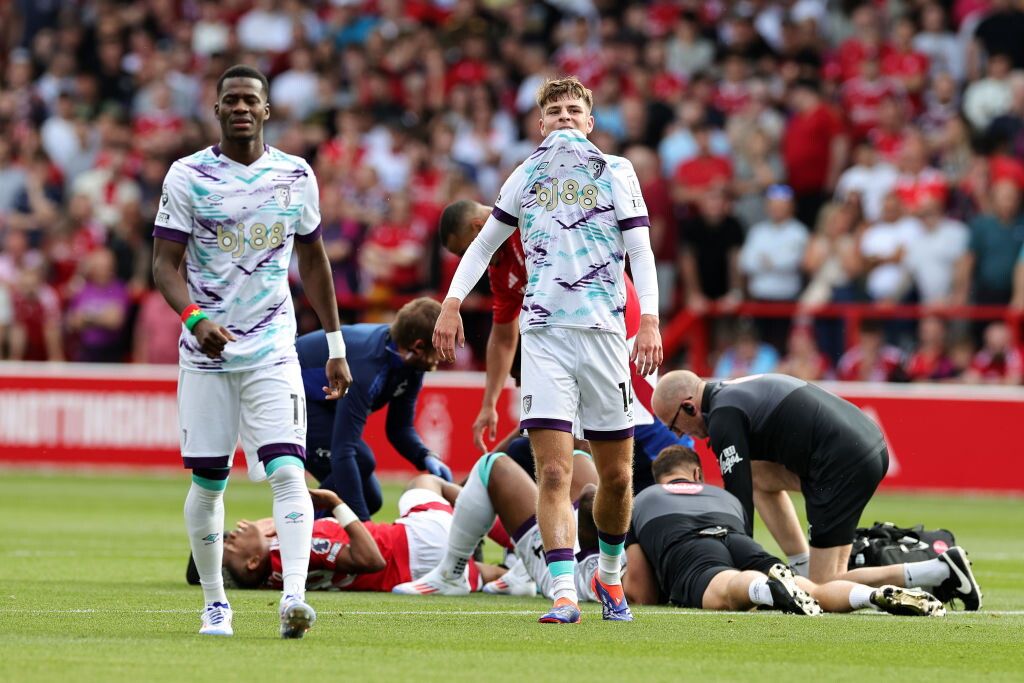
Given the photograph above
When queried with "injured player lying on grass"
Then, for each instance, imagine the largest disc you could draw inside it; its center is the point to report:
(350, 555)
(688, 547)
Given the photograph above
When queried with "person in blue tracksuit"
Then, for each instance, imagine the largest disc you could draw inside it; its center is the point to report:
(387, 364)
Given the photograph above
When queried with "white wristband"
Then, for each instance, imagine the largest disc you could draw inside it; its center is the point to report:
(335, 345)
(343, 513)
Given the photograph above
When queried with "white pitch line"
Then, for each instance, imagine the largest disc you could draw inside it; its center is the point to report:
(374, 613)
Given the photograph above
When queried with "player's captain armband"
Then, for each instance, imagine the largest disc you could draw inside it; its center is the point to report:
(192, 315)
(335, 345)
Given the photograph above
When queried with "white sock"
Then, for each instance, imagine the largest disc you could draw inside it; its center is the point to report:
(293, 519)
(924, 574)
(473, 518)
(564, 586)
(204, 521)
(860, 596)
(800, 564)
(759, 592)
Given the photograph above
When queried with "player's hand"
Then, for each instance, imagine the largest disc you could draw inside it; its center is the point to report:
(448, 330)
(647, 351)
(339, 379)
(324, 499)
(212, 337)
(486, 421)
(435, 466)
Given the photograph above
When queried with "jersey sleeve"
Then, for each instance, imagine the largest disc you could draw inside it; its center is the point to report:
(509, 204)
(174, 214)
(308, 229)
(630, 209)
(728, 429)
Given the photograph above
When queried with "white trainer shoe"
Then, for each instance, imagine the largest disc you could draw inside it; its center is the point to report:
(432, 583)
(516, 582)
(296, 617)
(216, 619)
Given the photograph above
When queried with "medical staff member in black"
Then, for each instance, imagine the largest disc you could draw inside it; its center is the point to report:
(772, 433)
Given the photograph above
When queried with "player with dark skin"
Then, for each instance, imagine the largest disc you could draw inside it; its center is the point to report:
(241, 109)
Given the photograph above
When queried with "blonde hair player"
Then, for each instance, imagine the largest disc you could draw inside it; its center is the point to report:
(579, 212)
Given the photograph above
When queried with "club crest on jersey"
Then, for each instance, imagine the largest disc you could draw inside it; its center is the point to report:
(596, 166)
(320, 545)
(527, 403)
(283, 195)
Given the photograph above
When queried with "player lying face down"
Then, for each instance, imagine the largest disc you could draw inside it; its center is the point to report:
(689, 548)
(499, 488)
(347, 554)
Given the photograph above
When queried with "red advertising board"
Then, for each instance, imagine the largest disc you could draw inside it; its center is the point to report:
(939, 436)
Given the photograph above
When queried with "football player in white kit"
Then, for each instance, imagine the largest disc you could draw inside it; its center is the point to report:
(232, 212)
(579, 212)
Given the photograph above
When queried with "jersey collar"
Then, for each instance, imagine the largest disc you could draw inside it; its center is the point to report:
(223, 157)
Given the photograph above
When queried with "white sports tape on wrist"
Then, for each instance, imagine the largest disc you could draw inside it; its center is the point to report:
(335, 345)
(343, 513)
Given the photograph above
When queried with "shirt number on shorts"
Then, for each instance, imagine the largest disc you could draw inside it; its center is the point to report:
(627, 395)
(298, 409)
(260, 237)
(548, 197)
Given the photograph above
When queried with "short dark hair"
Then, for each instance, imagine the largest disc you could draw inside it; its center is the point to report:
(454, 219)
(415, 322)
(243, 71)
(673, 458)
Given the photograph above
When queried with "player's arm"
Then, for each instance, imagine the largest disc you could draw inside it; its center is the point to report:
(631, 213)
(729, 431)
(448, 329)
(361, 555)
(318, 283)
(639, 583)
(501, 352)
(647, 351)
(402, 434)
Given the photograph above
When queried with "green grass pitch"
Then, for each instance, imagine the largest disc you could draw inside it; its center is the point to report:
(92, 580)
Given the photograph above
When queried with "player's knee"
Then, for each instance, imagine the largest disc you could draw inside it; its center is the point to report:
(553, 476)
(617, 482)
(424, 481)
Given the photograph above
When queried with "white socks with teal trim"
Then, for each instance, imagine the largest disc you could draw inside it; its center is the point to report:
(204, 521)
(293, 519)
(473, 517)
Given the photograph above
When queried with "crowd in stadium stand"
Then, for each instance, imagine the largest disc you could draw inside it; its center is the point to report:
(806, 151)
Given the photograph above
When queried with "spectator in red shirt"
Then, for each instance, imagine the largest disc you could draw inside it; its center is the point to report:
(867, 41)
(814, 149)
(35, 332)
(863, 95)
(870, 359)
(998, 361)
(392, 257)
(904, 63)
(931, 361)
(705, 170)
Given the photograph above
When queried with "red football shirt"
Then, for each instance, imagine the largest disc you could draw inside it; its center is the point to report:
(507, 274)
(328, 540)
(806, 148)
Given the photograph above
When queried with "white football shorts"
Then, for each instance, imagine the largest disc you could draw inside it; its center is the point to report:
(266, 407)
(570, 373)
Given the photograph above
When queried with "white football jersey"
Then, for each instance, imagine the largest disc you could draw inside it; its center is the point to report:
(571, 203)
(238, 223)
